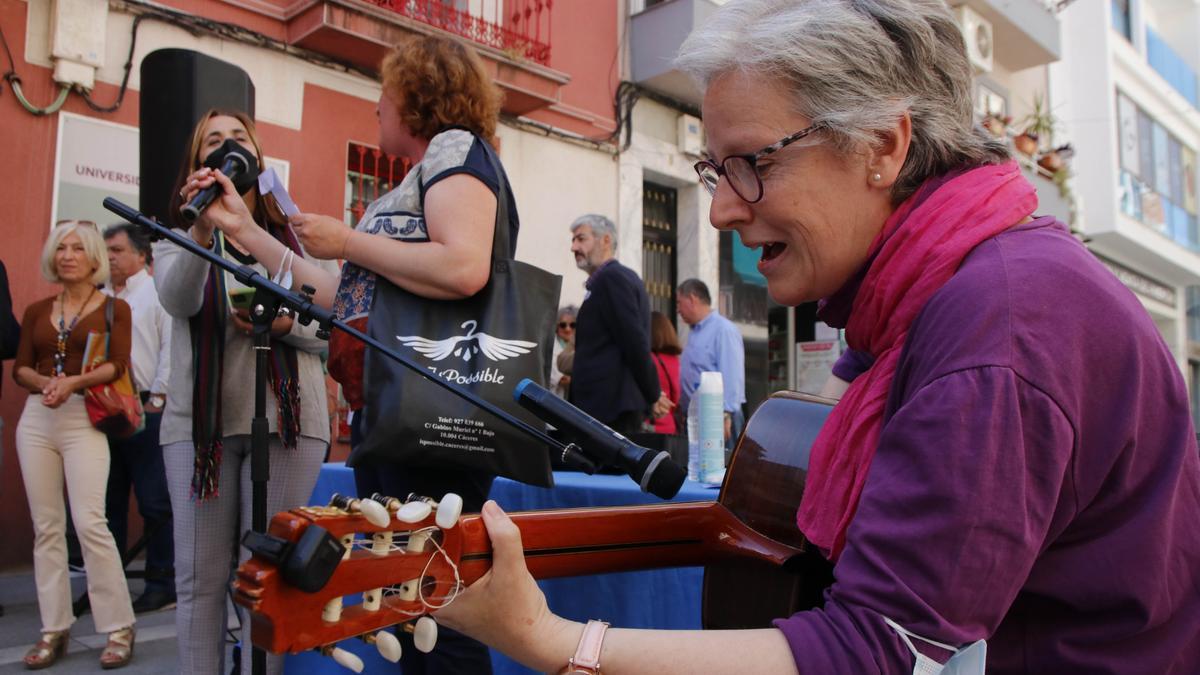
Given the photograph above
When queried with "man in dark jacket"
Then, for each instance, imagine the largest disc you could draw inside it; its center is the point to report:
(614, 378)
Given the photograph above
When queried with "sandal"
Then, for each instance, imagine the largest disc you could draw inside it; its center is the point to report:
(119, 650)
(49, 649)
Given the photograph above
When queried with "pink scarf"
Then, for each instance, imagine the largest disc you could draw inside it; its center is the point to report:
(919, 248)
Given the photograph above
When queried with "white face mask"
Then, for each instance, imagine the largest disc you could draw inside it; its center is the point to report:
(969, 660)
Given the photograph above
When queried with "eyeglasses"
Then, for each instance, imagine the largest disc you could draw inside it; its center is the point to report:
(742, 170)
(566, 324)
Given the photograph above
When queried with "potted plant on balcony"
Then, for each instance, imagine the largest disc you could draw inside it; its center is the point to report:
(1055, 159)
(1039, 128)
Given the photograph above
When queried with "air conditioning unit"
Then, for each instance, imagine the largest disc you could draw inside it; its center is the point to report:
(691, 136)
(977, 33)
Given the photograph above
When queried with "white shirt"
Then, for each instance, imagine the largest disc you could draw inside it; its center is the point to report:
(151, 344)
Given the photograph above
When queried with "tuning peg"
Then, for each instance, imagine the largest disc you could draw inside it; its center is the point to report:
(448, 511)
(424, 634)
(414, 512)
(372, 599)
(390, 503)
(386, 643)
(373, 511)
(344, 658)
(381, 543)
(332, 611)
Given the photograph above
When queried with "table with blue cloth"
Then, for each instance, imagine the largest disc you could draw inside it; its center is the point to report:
(667, 598)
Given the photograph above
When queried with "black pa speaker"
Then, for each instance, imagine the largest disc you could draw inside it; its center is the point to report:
(178, 86)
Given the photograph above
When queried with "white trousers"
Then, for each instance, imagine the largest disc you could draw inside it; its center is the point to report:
(58, 443)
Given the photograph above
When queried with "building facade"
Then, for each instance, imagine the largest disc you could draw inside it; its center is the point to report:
(313, 68)
(1127, 85)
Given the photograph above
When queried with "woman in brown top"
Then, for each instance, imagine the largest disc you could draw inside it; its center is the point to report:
(55, 440)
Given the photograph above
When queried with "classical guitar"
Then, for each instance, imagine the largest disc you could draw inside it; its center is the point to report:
(409, 559)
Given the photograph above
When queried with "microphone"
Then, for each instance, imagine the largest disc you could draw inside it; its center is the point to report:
(236, 162)
(654, 471)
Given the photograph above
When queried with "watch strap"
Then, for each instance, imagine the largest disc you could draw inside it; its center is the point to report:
(587, 655)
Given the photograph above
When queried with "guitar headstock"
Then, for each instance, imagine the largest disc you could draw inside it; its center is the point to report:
(401, 560)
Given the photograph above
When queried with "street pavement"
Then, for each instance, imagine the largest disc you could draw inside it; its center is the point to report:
(154, 651)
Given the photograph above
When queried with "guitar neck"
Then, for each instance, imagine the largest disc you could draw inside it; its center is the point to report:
(571, 542)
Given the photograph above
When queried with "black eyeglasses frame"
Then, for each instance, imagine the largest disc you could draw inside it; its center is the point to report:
(752, 160)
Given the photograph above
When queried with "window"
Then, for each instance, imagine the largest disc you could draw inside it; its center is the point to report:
(658, 246)
(1122, 18)
(990, 99)
(370, 172)
(1157, 183)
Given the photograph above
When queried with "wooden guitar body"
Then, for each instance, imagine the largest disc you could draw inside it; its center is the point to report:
(758, 566)
(762, 489)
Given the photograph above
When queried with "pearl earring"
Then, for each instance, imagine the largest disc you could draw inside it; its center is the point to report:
(876, 177)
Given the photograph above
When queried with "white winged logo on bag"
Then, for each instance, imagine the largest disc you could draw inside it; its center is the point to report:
(465, 346)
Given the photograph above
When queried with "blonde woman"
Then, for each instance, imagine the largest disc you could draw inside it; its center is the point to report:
(56, 441)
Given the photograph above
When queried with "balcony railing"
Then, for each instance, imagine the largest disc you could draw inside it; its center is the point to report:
(521, 28)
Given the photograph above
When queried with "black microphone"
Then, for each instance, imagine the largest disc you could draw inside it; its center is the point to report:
(237, 162)
(654, 471)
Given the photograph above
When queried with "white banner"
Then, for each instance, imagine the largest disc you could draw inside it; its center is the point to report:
(95, 159)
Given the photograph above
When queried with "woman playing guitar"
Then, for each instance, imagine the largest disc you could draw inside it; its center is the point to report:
(1017, 464)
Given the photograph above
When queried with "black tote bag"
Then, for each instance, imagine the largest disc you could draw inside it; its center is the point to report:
(486, 344)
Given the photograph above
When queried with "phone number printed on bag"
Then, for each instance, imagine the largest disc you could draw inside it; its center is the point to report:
(459, 433)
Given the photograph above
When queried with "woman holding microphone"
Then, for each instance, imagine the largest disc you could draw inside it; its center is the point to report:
(205, 430)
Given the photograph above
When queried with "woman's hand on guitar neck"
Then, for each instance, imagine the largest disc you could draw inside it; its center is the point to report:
(506, 609)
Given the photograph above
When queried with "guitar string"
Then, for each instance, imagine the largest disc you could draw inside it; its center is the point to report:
(458, 584)
(363, 543)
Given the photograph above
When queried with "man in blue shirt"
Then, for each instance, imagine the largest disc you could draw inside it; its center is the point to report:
(714, 344)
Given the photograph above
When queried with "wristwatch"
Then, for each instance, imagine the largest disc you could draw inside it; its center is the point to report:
(157, 400)
(587, 655)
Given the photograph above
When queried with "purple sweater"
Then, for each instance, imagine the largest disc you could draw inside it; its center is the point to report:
(1037, 482)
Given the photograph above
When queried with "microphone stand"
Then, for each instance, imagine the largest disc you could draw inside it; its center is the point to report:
(268, 298)
(263, 309)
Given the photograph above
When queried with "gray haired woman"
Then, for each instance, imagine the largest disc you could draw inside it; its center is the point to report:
(1012, 469)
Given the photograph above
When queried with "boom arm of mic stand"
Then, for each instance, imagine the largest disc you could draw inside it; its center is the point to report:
(306, 311)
